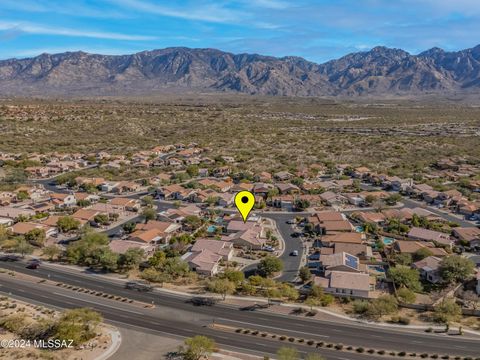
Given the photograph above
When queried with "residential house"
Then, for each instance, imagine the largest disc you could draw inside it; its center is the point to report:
(63, 200)
(222, 248)
(411, 247)
(283, 175)
(287, 188)
(429, 269)
(154, 232)
(126, 204)
(340, 261)
(343, 237)
(251, 238)
(14, 212)
(421, 234)
(22, 228)
(122, 246)
(471, 235)
(204, 262)
(478, 282)
(343, 283)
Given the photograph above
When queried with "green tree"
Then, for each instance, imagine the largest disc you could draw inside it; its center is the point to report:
(305, 274)
(288, 291)
(198, 347)
(403, 259)
(381, 306)
(148, 200)
(422, 253)
(235, 276)
(406, 296)
(101, 219)
(316, 292)
(129, 227)
(67, 223)
(130, 259)
(301, 204)
(403, 276)
(22, 195)
(51, 251)
(456, 268)
(447, 311)
(36, 237)
(312, 301)
(22, 247)
(221, 286)
(393, 199)
(288, 353)
(192, 170)
(192, 222)
(78, 325)
(158, 259)
(270, 265)
(149, 214)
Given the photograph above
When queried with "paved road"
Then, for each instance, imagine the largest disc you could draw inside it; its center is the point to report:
(291, 263)
(178, 308)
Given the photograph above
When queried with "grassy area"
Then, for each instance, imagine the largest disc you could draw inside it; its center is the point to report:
(263, 133)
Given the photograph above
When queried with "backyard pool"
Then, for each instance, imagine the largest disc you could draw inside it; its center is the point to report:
(211, 229)
(376, 268)
(388, 240)
(359, 229)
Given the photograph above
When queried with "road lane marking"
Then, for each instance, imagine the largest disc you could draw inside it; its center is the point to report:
(101, 304)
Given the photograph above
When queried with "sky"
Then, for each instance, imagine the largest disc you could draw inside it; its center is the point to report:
(318, 30)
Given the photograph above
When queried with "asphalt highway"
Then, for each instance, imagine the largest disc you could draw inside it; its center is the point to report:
(350, 333)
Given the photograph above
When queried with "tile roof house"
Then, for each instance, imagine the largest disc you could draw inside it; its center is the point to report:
(343, 237)
(63, 200)
(362, 251)
(203, 262)
(341, 261)
(251, 238)
(429, 269)
(22, 228)
(411, 247)
(470, 235)
(222, 248)
(421, 234)
(121, 246)
(342, 283)
(154, 232)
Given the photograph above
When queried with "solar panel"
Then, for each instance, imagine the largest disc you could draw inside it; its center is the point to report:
(351, 261)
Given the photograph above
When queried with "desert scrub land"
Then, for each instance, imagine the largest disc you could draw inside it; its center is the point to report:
(261, 132)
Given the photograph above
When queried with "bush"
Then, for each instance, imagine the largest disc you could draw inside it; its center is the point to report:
(360, 306)
(339, 347)
(360, 350)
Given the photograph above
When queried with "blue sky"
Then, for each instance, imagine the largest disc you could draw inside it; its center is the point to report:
(316, 30)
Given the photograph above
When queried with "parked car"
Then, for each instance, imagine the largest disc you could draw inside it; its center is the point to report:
(291, 222)
(269, 248)
(294, 253)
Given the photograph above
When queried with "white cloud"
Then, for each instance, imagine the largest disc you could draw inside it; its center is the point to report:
(32, 28)
(209, 12)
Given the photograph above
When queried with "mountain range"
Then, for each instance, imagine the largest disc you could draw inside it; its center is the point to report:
(379, 72)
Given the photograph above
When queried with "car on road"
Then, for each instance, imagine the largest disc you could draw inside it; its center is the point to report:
(269, 248)
(295, 234)
(33, 264)
(9, 257)
(291, 222)
(202, 301)
(139, 286)
(294, 253)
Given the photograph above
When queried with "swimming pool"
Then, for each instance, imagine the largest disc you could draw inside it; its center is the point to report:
(376, 268)
(359, 229)
(211, 229)
(388, 240)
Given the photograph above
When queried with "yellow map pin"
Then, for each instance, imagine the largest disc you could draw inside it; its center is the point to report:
(244, 201)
